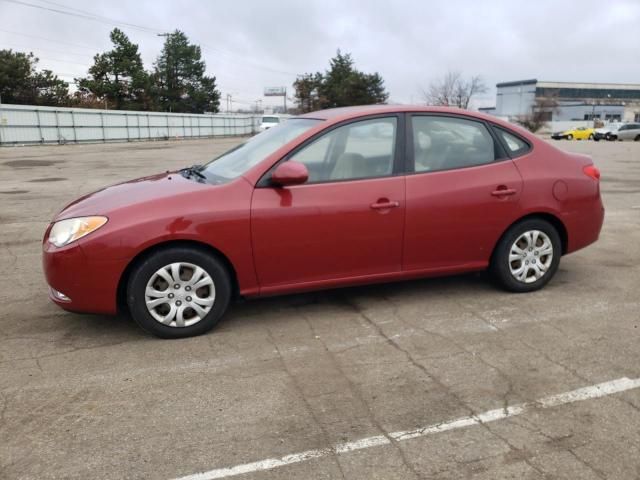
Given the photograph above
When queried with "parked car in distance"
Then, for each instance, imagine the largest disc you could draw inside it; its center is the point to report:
(331, 198)
(628, 131)
(579, 133)
(269, 121)
(606, 132)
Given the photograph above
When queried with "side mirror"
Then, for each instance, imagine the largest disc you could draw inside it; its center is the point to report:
(289, 173)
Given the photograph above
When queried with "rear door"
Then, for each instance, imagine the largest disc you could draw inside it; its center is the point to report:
(463, 192)
(346, 221)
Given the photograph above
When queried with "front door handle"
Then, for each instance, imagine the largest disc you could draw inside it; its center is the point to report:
(503, 191)
(384, 205)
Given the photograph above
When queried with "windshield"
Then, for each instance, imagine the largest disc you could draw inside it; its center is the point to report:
(241, 158)
(270, 120)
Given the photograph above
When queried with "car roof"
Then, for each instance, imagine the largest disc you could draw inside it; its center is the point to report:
(345, 113)
(335, 115)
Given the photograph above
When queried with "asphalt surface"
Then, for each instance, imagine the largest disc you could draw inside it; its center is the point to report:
(85, 396)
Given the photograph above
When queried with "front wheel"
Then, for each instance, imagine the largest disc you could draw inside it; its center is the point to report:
(178, 292)
(527, 256)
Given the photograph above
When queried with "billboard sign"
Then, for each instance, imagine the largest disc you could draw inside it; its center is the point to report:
(275, 91)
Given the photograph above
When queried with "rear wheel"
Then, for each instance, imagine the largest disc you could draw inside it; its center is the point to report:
(178, 292)
(527, 256)
(637, 139)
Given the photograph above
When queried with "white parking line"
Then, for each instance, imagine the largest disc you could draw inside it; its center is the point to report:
(586, 393)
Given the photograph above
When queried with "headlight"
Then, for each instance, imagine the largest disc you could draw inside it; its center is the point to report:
(66, 231)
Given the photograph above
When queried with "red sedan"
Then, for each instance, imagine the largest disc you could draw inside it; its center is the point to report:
(337, 197)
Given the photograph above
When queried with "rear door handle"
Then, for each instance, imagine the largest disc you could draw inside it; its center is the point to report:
(503, 192)
(383, 205)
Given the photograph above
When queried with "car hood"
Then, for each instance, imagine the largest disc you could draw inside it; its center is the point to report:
(141, 190)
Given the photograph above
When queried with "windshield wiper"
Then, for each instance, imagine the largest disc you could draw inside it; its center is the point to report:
(194, 170)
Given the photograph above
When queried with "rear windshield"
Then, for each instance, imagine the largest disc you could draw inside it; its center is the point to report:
(241, 158)
(270, 120)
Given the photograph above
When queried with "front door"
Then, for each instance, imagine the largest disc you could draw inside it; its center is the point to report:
(346, 221)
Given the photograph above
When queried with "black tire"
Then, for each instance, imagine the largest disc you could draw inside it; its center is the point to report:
(591, 136)
(500, 267)
(637, 139)
(143, 272)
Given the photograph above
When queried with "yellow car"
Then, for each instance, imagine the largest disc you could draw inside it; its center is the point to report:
(580, 133)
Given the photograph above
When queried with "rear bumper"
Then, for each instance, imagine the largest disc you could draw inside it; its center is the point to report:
(78, 285)
(584, 226)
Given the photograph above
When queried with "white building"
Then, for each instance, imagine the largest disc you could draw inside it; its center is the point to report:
(573, 101)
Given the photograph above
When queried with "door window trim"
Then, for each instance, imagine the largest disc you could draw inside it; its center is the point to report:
(398, 158)
(500, 153)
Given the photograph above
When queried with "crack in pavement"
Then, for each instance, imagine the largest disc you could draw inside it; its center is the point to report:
(308, 406)
(357, 394)
(443, 386)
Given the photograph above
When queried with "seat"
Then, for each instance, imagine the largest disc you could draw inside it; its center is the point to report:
(349, 165)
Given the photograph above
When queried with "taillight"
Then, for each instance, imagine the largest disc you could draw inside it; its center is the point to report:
(592, 171)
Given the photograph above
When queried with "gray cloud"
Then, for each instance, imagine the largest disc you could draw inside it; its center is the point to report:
(252, 44)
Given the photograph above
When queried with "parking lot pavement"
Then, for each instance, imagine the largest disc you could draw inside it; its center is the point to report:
(322, 385)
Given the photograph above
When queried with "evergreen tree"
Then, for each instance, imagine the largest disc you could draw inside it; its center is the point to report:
(20, 83)
(118, 76)
(340, 86)
(180, 78)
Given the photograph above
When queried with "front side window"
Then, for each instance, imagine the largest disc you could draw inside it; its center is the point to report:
(240, 159)
(363, 149)
(445, 143)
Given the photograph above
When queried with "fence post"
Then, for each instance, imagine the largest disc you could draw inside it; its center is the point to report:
(73, 126)
(126, 122)
(104, 136)
(1, 122)
(55, 113)
(39, 125)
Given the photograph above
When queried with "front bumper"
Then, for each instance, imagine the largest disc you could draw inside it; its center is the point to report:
(77, 284)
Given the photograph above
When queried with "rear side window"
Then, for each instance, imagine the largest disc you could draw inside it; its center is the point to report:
(446, 143)
(514, 144)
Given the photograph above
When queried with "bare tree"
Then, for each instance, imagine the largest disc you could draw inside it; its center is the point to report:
(541, 112)
(453, 90)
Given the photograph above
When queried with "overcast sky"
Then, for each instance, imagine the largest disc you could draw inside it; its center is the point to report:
(249, 45)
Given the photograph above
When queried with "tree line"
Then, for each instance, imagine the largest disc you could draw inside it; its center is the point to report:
(118, 80)
(178, 82)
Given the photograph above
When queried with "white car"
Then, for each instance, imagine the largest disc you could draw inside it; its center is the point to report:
(606, 132)
(269, 121)
(628, 131)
